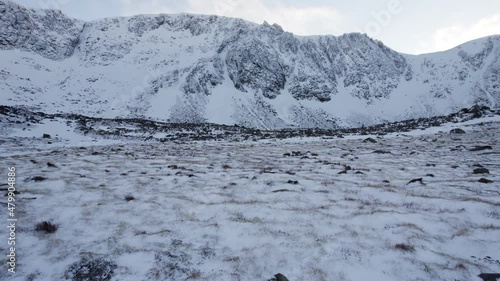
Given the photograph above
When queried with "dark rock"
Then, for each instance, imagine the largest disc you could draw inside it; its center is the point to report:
(360, 173)
(476, 111)
(457, 131)
(483, 180)
(489, 276)
(287, 155)
(96, 269)
(46, 226)
(46, 136)
(481, 148)
(370, 140)
(381, 152)
(38, 179)
(279, 277)
(417, 180)
(429, 175)
(50, 165)
(481, 171)
(292, 182)
(281, 190)
(386, 181)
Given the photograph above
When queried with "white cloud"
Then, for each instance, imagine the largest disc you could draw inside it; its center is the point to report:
(452, 36)
(134, 7)
(306, 20)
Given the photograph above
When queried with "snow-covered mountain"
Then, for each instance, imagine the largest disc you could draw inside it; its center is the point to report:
(199, 68)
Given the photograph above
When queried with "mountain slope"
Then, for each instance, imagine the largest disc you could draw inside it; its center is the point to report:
(197, 68)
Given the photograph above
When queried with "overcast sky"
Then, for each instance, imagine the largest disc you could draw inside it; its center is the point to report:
(409, 26)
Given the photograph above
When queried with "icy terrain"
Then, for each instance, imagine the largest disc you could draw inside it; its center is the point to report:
(309, 208)
(201, 68)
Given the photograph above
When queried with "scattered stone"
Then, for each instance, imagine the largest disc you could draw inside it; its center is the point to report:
(96, 269)
(481, 171)
(38, 179)
(430, 165)
(287, 154)
(46, 136)
(421, 180)
(489, 276)
(483, 180)
(404, 247)
(429, 175)
(129, 198)
(382, 152)
(279, 277)
(455, 167)
(46, 226)
(292, 182)
(360, 173)
(481, 148)
(281, 190)
(457, 131)
(34, 161)
(343, 172)
(478, 165)
(370, 140)
(386, 181)
(50, 165)
(477, 111)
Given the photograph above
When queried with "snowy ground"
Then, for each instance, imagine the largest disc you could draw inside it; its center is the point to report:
(245, 211)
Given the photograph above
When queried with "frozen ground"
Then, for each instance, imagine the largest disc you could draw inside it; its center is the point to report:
(341, 209)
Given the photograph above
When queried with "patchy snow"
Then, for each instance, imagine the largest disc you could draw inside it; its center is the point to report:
(244, 211)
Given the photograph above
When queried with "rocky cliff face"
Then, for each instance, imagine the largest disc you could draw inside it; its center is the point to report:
(48, 33)
(196, 68)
